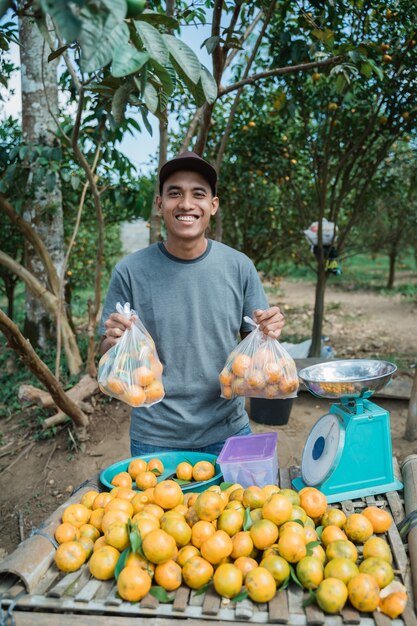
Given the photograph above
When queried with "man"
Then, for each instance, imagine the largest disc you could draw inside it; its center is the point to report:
(191, 294)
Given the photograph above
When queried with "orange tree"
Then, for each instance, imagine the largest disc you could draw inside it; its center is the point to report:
(332, 130)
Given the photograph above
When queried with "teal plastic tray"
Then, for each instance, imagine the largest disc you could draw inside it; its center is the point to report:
(170, 461)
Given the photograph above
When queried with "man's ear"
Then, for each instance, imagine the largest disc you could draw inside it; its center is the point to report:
(158, 202)
(214, 206)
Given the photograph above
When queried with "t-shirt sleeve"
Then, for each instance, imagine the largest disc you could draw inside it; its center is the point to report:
(254, 296)
(118, 291)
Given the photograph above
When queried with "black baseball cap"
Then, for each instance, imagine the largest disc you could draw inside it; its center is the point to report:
(188, 162)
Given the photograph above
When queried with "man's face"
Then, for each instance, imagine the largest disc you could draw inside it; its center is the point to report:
(186, 204)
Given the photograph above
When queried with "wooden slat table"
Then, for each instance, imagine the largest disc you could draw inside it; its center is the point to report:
(80, 600)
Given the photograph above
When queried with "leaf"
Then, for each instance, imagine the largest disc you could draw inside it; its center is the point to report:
(120, 101)
(366, 69)
(209, 85)
(224, 486)
(294, 577)
(310, 546)
(68, 24)
(242, 595)
(311, 599)
(211, 43)
(121, 562)
(153, 42)
(341, 83)
(135, 539)
(181, 481)
(166, 75)
(319, 530)
(158, 18)
(162, 595)
(247, 520)
(57, 53)
(148, 127)
(285, 583)
(184, 57)
(5, 5)
(150, 96)
(50, 181)
(97, 54)
(203, 589)
(75, 182)
(127, 60)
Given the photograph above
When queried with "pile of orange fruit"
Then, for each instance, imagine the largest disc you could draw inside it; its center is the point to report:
(134, 378)
(245, 542)
(261, 375)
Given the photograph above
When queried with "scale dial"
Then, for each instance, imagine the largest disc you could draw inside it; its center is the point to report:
(322, 449)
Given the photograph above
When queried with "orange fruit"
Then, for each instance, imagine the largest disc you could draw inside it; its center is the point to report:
(256, 515)
(358, 528)
(260, 584)
(154, 392)
(255, 380)
(253, 497)
(115, 385)
(263, 356)
(341, 568)
(117, 535)
(298, 513)
(310, 572)
(158, 547)
(292, 547)
(272, 372)
(197, 572)
(263, 533)
(231, 521)
(186, 553)
(201, 531)
(277, 508)
(291, 495)
(216, 547)
(333, 517)
(88, 499)
(342, 548)
(156, 466)
(227, 392)
(87, 544)
(76, 514)
(88, 530)
(376, 546)
(379, 569)
(310, 534)
(123, 493)
(143, 375)
(119, 504)
(102, 499)
(136, 560)
(331, 595)
(270, 489)
(111, 517)
(363, 592)
(381, 520)
(178, 528)
(203, 470)
(332, 533)
(242, 544)
(100, 543)
(228, 580)
(277, 566)
(122, 479)
(69, 556)
(184, 471)
(96, 519)
(134, 396)
(241, 364)
(154, 509)
(393, 604)
(245, 564)
(209, 505)
(133, 583)
(136, 466)
(145, 525)
(66, 532)
(168, 575)
(292, 527)
(225, 377)
(167, 494)
(313, 501)
(236, 495)
(144, 480)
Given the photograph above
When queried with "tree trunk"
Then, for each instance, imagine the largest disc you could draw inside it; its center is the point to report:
(155, 220)
(391, 273)
(411, 425)
(315, 348)
(44, 208)
(24, 349)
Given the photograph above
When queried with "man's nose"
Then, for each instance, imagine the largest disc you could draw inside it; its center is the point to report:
(187, 201)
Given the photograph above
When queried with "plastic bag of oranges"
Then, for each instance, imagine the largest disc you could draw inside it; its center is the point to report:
(131, 370)
(259, 367)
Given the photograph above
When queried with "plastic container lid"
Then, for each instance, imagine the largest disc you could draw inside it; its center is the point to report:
(248, 448)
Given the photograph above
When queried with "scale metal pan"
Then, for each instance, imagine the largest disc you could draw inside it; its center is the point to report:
(353, 378)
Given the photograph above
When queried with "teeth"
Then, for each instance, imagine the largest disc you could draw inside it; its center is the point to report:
(186, 218)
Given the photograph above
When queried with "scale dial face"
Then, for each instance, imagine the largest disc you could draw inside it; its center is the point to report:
(322, 449)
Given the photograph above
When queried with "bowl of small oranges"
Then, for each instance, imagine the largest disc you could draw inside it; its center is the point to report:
(193, 471)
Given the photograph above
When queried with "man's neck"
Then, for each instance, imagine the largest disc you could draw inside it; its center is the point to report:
(186, 250)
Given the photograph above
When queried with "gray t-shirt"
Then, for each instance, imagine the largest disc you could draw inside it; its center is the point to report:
(194, 312)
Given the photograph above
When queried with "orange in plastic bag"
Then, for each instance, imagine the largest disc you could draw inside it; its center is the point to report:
(131, 370)
(259, 367)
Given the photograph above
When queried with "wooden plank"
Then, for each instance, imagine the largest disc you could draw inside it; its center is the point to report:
(89, 590)
(314, 614)
(69, 582)
(15, 590)
(104, 589)
(211, 602)
(149, 602)
(350, 615)
(295, 598)
(278, 608)
(245, 610)
(113, 598)
(181, 599)
(381, 619)
(45, 583)
(409, 616)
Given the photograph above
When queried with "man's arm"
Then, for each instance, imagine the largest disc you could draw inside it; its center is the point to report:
(115, 326)
(271, 322)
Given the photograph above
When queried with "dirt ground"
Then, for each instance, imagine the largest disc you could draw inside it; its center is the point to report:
(40, 475)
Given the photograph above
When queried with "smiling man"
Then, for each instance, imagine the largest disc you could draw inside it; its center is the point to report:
(192, 294)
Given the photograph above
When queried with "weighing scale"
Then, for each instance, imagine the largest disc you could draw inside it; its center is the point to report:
(348, 453)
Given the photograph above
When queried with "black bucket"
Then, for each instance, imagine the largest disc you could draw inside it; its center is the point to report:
(271, 412)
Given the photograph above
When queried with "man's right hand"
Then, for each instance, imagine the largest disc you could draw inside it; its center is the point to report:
(115, 325)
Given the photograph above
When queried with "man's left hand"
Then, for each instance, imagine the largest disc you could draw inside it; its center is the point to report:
(271, 321)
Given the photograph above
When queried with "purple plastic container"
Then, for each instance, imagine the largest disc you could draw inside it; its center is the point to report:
(250, 460)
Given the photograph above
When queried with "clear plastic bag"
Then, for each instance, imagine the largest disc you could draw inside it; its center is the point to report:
(259, 367)
(131, 370)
